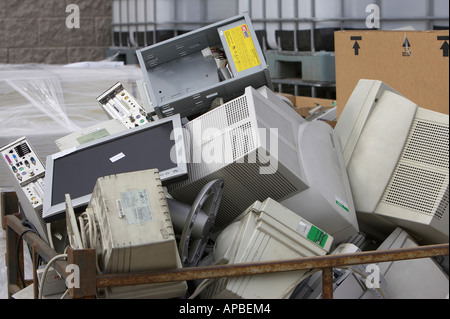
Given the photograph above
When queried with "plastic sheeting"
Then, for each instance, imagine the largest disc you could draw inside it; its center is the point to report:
(47, 102)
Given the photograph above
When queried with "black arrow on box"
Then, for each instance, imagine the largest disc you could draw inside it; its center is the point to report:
(444, 46)
(356, 46)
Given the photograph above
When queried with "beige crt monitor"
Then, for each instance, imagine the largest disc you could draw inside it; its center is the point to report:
(266, 231)
(397, 161)
(420, 278)
(136, 233)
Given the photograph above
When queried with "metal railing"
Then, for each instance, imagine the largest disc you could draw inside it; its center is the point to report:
(91, 281)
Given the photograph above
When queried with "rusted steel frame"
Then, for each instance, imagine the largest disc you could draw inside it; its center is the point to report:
(318, 262)
(326, 263)
(9, 206)
(327, 283)
(12, 268)
(83, 258)
(86, 273)
(40, 247)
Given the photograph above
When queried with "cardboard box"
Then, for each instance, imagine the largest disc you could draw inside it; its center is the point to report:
(304, 104)
(414, 63)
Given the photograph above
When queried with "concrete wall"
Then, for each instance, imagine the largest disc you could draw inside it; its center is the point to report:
(35, 31)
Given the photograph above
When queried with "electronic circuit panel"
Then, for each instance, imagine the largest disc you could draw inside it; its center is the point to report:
(119, 104)
(22, 161)
(27, 174)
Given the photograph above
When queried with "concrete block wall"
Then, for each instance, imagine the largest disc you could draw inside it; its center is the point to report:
(35, 31)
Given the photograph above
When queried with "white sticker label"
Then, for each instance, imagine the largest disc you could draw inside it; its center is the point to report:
(117, 157)
(303, 228)
(136, 206)
(341, 203)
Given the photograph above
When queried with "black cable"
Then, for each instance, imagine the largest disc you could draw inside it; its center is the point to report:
(17, 254)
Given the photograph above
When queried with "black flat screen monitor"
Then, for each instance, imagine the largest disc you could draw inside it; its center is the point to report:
(75, 171)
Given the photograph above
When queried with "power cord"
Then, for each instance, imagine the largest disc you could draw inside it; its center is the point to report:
(22, 280)
(44, 274)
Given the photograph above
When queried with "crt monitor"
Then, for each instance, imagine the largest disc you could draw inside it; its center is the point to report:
(75, 171)
(421, 278)
(396, 155)
(262, 148)
(266, 231)
(135, 233)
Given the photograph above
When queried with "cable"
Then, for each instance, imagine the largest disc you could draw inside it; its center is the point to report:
(49, 235)
(87, 225)
(64, 294)
(17, 254)
(202, 286)
(44, 274)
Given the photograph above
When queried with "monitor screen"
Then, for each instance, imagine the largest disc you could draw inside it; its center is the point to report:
(75, 172)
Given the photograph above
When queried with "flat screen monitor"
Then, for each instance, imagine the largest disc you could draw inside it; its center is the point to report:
(75, 171)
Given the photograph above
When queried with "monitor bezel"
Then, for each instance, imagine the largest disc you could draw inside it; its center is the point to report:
(176, 173)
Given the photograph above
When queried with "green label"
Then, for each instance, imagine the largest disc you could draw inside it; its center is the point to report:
(317, 236)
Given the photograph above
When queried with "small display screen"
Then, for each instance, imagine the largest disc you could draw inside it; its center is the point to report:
(76, 173)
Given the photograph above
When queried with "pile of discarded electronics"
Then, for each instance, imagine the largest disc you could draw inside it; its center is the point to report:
(209, 166)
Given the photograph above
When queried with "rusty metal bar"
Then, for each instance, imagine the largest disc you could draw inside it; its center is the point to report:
(35, 265)
(86, 272)
(14, 227)
(326, 263)
(327, 283)
(218, 271)
(13, 268)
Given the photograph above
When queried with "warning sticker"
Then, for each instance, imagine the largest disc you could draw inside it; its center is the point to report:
(135, 205)
(242, 48)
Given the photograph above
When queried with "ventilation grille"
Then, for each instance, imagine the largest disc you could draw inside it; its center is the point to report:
(242, 140)
(415, 188)
(237, 110)
(428, 144)
(420, 180)
(443, 205)
(244, 185)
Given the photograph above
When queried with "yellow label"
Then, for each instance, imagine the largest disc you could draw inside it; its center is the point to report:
(242, 48)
